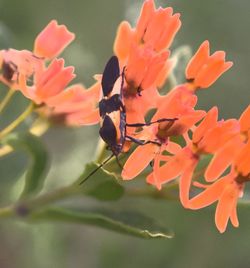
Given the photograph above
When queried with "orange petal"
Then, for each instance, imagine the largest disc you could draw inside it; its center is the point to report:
(139, 160)
(198, 60)
(173, 148)
(156, 169)
(185, 122)
(219, 135)
(170, 170)
(138, 62)
(146, 15)
(234, 216)
(156, 26)
(84, 117)
(185, 183)
(223, 158)
(123, 41)
(209, 195)
(242, 160)
(54, 80)
(215, 67)
(244, 120)
(226, 205)
(153, 70)
(163, 74)
(208, 121)
(52, 40)
(172, 27)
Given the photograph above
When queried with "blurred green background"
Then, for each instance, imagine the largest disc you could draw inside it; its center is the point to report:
(197, 242)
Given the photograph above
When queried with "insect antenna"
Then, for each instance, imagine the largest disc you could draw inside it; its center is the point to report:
(95, 170)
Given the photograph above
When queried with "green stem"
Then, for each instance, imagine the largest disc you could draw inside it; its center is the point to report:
(6, 212)
(6, 99)
(25, 207)
(17, 121)
(46, 199)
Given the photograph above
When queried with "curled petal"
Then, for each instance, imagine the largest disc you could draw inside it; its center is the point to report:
(52, 40)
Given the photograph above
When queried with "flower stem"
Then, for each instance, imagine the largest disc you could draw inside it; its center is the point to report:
(17, 121)
(26, 207)
(30, 205)
(6, 99)
(6, 212)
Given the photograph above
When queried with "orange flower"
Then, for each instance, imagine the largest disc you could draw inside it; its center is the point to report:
(208, 137)
(229, 151)
(49, 82)
(76, 105)
(175, 105)
(144, 52)
(226, 191)
(155, 29)
(18, 65)
(203, 70)
(143, 68)
(52, 40)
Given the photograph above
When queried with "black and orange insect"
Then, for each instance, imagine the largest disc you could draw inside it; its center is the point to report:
(112, 110)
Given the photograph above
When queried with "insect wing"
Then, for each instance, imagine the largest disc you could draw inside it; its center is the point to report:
(110, 74)
(108, 131)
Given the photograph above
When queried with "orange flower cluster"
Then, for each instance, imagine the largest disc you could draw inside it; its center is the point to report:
(43, 78)
(144, 50)
(145, 56)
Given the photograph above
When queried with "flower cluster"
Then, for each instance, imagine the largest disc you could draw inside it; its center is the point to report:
(144, 54)
(43, 78)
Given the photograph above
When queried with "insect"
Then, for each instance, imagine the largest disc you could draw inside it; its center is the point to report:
(112, 110)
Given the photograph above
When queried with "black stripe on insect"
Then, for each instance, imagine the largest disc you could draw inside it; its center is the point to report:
(112, 110)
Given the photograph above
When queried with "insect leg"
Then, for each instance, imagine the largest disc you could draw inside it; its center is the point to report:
(153, 122)
(95, 170)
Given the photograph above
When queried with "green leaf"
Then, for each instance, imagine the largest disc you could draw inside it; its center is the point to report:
(130, 223)
(102, 185)
(35, 174)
